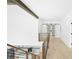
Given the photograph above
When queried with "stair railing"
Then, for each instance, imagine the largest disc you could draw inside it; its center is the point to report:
(45, 45)
(22, 52)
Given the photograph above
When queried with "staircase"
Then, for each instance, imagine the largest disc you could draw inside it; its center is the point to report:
(52, 48)
(14, 52)
(58, 50)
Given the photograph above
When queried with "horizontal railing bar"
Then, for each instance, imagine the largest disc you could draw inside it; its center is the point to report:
(17, 48)
(15, 54)
(22, 50)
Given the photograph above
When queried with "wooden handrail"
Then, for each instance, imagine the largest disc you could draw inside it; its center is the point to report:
(16, 48)
(45, 49)
(25, 7)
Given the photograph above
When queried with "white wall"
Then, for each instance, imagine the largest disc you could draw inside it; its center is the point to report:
(22, 27)
(66, 29)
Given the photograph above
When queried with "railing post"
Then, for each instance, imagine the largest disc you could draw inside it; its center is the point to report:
(33, 56)
(26, 55)
(16, 57)
(43, 52)
(39, 57)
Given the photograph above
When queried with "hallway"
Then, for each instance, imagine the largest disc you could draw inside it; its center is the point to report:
(39, 29)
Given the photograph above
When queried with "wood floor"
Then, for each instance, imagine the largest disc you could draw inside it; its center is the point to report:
(58, 50)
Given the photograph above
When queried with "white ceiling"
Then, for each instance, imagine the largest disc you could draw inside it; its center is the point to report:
(49, 9)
